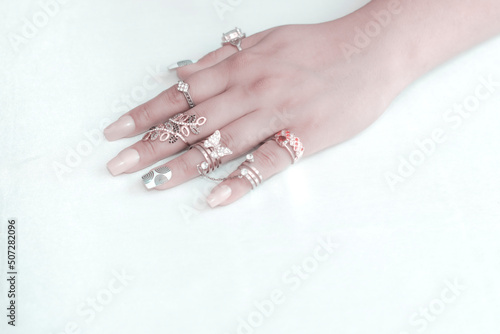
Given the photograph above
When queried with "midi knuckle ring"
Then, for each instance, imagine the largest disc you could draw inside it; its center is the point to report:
(212, 151)
(250, 172)
(233, 37)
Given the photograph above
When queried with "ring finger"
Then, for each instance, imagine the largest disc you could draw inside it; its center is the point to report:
(268, 160)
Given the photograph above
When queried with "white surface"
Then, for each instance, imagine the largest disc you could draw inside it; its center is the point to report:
(200, 273)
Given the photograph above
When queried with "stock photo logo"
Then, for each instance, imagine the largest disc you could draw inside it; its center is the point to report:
(223, 6)
(33, 24)
(292, 279)
(453, 118)
(430, 313)
(73, 157)
(94, 304)
(363, 37)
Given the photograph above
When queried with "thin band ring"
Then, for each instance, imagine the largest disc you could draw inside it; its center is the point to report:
(184, 88)
(249, 178)
(255, 170)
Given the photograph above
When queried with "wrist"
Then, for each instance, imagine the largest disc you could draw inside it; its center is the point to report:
(409, 38)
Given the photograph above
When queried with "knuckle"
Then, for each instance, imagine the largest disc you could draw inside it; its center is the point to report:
(145, 114)
(239, 61)
(214, 56)
(172, 96)
(150, 149)
(183, 167)
(268, 157)
(228, 140)
(185, 71)
(262, 85)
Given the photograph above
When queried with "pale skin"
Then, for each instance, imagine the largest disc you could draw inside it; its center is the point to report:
(301, 78)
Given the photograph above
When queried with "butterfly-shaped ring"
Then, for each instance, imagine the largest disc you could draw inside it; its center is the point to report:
(217, 150)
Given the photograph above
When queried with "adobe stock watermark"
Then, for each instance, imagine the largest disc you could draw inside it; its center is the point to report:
(89, 309)
(199, 203)
(94, 137)
(420, 320)
(373, 28)
(223, 6)
(292, 279)
(32, 26)
(452, 118)
(190, 212)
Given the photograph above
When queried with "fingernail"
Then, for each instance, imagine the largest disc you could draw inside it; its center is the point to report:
(181, 63)
(218, 196)
(125, 160)
(119, 129)
(156, 177)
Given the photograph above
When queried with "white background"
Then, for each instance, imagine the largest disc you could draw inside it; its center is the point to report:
(197, 270)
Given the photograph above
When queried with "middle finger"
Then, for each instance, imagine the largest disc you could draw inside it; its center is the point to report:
(218, 112)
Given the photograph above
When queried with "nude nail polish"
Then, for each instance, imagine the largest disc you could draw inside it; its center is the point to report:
(219, 195)
(122, 127)
(125, 160)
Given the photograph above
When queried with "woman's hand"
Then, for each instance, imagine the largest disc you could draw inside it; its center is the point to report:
(291, 77)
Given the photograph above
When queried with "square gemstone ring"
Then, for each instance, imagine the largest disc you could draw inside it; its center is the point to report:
(233, 37)
(182, 87)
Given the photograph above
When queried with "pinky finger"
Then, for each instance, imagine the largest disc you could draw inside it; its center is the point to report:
(269, 159)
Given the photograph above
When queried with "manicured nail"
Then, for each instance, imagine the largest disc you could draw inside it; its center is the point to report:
(181, 63)
(156, 177)
(125, 160)
(218, 196)
(119, 129)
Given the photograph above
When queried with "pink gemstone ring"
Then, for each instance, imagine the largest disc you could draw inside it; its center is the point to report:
(291, 143)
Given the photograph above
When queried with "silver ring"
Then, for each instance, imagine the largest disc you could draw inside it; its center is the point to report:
(233, 37)
(157, 177)
(184, 88)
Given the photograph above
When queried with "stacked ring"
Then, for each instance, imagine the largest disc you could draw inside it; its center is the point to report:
(212, 151)
(291, 143)
(251, 173)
